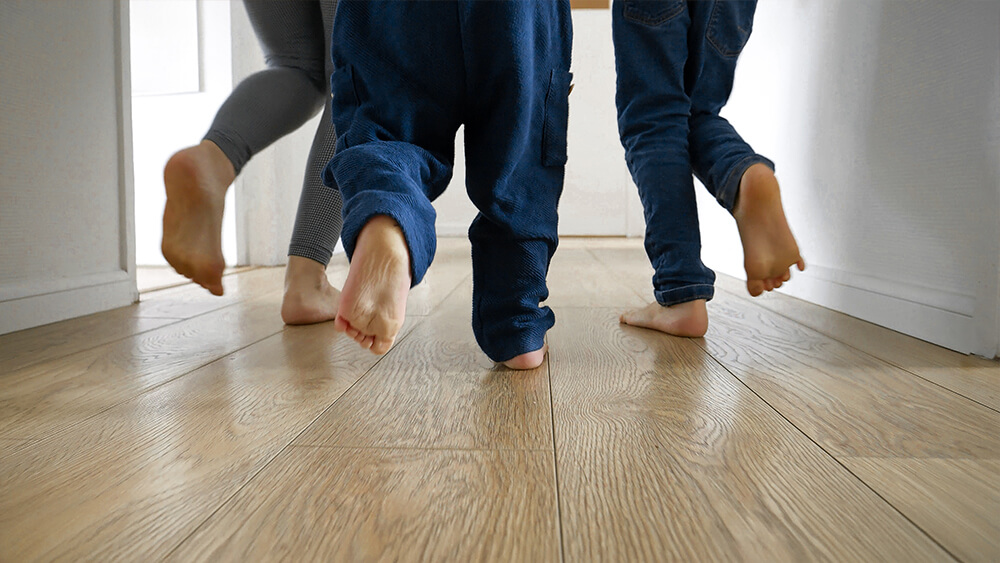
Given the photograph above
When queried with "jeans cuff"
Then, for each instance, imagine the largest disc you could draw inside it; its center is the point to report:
(418, 232)
(731, 186)
(526, 340)
(684, 294)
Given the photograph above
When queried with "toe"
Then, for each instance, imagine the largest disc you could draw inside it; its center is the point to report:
(381, 345)
(366, 342)
(755, 287)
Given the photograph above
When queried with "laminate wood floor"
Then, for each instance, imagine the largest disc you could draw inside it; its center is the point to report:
(192, 427)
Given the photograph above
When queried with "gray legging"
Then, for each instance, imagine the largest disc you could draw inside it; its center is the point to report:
(270, 104)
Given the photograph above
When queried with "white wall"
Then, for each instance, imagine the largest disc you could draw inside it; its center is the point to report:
(884, 121)
(169, 114)
(65, 161)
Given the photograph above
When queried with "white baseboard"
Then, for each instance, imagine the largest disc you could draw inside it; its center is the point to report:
(87, 297)
(943, 318)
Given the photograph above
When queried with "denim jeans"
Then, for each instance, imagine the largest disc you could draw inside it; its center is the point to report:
(675, 61)
(407, 74)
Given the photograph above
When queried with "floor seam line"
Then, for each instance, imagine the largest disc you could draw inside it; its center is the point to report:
(275, 456)
(832, 457)
(866, 353)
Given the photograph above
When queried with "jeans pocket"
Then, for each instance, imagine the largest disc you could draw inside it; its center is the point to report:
(344, 103)
(730, 26)
(652, 12)
(555, 121)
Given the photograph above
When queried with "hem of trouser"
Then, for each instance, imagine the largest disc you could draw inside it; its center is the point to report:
(231, 148)
(727, 196)
(684, 294)
(320, 255)
(528, 341)
(360, 212)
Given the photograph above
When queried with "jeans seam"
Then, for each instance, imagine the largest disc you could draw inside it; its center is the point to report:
(724, 52)
(631, 16)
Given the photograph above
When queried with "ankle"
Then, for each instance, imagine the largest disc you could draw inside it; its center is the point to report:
(304, 272)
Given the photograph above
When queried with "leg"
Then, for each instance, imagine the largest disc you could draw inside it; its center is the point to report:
(309, 297)
(653, 109)
(262, 109)
(742, 181)
(395, 151)
(518, 53)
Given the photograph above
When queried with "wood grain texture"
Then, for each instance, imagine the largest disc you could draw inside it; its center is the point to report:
(346, 504)
(188, 301)
(153, 278)
(439, 390)
(41, 399)
(847, 401)
(662, 455)
(9, 447)
(970, 376)
(957, 501)
(132, 482)
(577, 279)
(36, 345)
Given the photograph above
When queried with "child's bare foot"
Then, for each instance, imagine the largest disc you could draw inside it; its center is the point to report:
(309, 297)
(689, 319)
(196, 180)
(531, 360)
(769, 249)
(373, 303)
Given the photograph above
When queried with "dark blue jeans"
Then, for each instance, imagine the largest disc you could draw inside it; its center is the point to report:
(407, 74)
(675, 61)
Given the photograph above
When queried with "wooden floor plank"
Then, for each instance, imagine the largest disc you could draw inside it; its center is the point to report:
(957, 501)
(970, 376)
(346, 504)
(39, 400)
(849, 402)
(439, 390)
(134, 481)
(9, 447)
(152, 278)
(771, 439)
(35, 345)
(188, 301)
(577, 279)
(662, 455)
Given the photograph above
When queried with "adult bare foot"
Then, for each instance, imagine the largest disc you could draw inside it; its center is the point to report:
(769, 249)
(689, 319)
(309, 297)
(373, 303)
(531, 360)
(196, 180)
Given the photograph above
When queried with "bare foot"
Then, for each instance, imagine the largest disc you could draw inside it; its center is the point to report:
(769, 249)
(373, 303)
(689, 319)
(309, 297)
(531, 360)
(196, 180)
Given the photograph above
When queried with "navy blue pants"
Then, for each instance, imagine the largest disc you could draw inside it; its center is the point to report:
(407, 74)
(675, 61)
